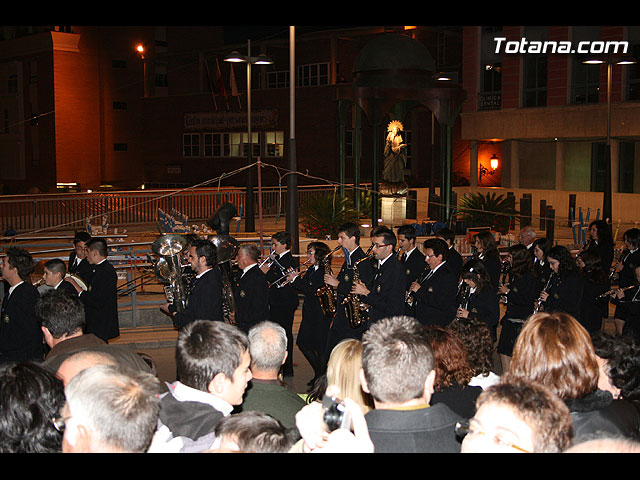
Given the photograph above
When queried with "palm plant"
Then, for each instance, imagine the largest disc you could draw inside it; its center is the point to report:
(490, 210)
(321, 215)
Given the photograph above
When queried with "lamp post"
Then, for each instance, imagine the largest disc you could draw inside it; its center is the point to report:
(235, 57)
(607, 199)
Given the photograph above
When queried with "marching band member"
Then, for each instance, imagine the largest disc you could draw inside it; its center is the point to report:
(565, 292)
(435, 295)
(283, 300)
(349, 239)
(482, 302)
(625, 270)
(314, 328)
(521, 292)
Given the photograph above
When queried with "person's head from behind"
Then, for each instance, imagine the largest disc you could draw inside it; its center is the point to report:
(30, 396)
(267, 347)
(81, 360)
(518, 415)
(397, 362)
(450, 355)
(619, 360)
(97, 250)
(110, 408)
(213, 357)
(60, 315)
(343, 370)
(556, 351)
(253, 432)
(476, 338)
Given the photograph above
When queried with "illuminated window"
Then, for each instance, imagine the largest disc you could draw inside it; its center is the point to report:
(275, 144)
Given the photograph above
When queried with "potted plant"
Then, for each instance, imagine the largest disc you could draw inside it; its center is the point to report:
(321, 215)
(487, 210)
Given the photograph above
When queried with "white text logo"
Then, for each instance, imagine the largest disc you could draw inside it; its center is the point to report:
(592, 47)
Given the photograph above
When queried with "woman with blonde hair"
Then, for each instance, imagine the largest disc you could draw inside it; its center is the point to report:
(555, 350)
(343, 371)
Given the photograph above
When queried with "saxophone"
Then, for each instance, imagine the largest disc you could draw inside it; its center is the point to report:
(355, 310)
(326, 294)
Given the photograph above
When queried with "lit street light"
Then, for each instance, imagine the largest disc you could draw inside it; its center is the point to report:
(261, 59)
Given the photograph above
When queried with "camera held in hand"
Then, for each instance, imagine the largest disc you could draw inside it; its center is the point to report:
(335, 414)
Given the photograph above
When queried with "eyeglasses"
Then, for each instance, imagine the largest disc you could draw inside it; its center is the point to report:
(463, 429)
(376, 245)
(59, 423)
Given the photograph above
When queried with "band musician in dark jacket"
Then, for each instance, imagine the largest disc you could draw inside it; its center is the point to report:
(435, 297)
(349, 239)
(204, 300)
(412, 260)
(283, 298)
(251, 292)
(386, 293)
(101, 297)
(20, 334)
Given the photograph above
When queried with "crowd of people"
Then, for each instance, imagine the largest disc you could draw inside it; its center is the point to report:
(414, 349)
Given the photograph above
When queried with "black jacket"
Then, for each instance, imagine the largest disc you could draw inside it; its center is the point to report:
(20, 333)
(387, 290)
(204, 301)
(101, 302)
(436, 298)
(251, 295)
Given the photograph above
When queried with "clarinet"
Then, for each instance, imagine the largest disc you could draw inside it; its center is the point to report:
(408, 299)
(538, 305)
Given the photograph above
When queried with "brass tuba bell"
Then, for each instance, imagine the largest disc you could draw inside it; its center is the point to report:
(168, 268)
(227, 248)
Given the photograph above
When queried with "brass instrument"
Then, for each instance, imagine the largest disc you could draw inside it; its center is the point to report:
(327, 294)
(613, 290)
(537, 307)
(408, 299)
(226, 248)
(169, 268)
(282, 281)
(355, 310)
(283, 270)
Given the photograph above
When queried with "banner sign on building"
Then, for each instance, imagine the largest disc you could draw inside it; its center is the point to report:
(225, 121)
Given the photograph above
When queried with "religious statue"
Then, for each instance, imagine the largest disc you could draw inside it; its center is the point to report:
(395, 161)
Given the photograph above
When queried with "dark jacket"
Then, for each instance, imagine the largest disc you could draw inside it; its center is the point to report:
(101, 302)
(436, 298)
(387, 290)
(423, 430)
(20, 333)
(251, 295)
(598, 414)
(204, 301)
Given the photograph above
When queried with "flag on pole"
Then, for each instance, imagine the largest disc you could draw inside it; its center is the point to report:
(234, 86)
(221, 87)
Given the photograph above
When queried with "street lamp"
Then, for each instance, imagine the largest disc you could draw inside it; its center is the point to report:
(607, 196)
(236, 57)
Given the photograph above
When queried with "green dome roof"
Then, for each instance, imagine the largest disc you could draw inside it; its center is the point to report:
(394, 51)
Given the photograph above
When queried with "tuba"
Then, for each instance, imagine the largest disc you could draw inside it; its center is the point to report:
(227, 248)
(355, 310)
(327, 294)
(168, 268)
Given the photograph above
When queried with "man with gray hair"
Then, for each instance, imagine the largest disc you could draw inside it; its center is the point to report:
(109, 409)
(266, 391)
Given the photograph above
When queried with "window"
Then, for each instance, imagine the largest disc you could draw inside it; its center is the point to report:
(217, 145)
(119, 105)
(12, 84)
(535, 81)
(278, 79)
(120, 147)
(312, 75)
(191, 145)
(585, 79)
(633, 75)
(626, 167)
(275, 144)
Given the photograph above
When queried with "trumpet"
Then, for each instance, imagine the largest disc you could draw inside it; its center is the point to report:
(279, 283)
(613, 290)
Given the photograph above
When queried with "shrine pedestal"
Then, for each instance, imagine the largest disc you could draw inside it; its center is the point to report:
(394, 210)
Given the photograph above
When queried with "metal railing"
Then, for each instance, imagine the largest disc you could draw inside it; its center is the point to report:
(70, 211)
